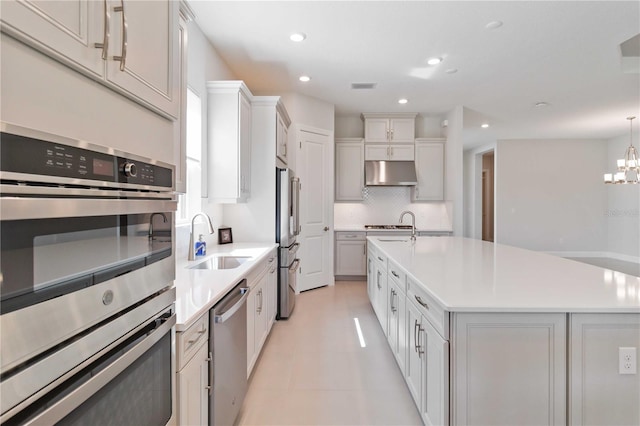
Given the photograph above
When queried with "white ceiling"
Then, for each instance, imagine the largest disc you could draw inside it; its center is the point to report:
(565, 53)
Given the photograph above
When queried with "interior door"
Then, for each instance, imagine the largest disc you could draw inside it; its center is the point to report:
(315, 169)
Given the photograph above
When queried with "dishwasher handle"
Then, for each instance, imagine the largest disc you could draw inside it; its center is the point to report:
(230, 304)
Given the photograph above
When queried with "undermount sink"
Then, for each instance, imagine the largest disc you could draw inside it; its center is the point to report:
(221, 262)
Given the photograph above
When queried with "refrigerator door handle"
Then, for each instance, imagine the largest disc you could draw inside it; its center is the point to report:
(295, 183)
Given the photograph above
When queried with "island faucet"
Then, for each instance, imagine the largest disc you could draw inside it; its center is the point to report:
(164, 219)
(413, 223)
(192, 252)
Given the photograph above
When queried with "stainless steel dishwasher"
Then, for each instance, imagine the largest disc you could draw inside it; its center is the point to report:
(228, 344)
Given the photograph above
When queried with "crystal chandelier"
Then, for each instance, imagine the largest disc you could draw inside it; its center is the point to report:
(629, 166)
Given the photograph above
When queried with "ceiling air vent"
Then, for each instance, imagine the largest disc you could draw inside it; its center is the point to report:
(358, 86)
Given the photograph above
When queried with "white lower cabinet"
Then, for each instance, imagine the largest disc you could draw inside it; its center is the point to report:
(256, 321)
(261, 307)
(510, 368)
(272, 292)
(397, 335)
(351, 254)
(380, 291)
(193, 383)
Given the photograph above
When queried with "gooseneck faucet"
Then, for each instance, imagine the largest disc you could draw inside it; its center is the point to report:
(192, 251)
(413, 223)
(164, 219)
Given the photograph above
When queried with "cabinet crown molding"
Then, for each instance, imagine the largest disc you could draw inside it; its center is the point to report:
(366, 115)
(273, 101)
(230, 86)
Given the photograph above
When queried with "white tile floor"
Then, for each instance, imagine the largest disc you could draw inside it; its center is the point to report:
(313, 371)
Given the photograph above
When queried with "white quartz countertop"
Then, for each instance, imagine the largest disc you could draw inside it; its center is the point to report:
(468, 275)
(197, 290)
(361, 228)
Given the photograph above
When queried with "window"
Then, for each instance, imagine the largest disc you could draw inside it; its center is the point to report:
(191, 203)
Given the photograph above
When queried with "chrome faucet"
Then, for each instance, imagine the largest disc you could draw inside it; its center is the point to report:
(413, 223)
(192, 251)
(164, 219)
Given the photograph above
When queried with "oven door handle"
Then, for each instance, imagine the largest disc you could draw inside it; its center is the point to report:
(66, 405)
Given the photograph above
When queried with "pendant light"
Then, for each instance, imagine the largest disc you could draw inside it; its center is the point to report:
(629, 166)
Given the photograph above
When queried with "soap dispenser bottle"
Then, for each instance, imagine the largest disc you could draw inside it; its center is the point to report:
(201, 246)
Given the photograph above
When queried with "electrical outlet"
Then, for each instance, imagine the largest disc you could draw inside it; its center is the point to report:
(627, 360)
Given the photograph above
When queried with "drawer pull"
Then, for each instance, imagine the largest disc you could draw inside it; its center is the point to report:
(394, 274)
(202, 331)
(380, 259)
(424, 304)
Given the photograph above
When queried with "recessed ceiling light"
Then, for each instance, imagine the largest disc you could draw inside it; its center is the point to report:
(402, 101)
(451, 71)
(304, 78)
(484, 125)
(434, 61)
(541, 104)
(493, 25)
(297, 37)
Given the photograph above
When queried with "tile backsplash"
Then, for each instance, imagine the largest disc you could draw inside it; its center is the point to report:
(383, 205)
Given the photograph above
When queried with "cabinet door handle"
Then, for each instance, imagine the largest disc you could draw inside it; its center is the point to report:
(415, 336)
(105, 34)
(391, 300)
(391, 139)
(379, 275)
(420, 350)
(421, 302)
(364, 249)
(209, 387)
(369, 266)
(392, 151)
(123, 57)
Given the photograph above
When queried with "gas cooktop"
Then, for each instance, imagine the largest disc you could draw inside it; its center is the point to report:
(387, 227)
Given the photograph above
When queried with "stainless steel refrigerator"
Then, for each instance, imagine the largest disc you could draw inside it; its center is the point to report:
(287, 229)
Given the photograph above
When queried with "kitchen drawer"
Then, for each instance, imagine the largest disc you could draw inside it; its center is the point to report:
(190, 340)
(381, 260)
(351, 236)
(261, 268)
(397, 274)
(432, 310)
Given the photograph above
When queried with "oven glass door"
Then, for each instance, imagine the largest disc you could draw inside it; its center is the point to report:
(132, 384)
(44, 258)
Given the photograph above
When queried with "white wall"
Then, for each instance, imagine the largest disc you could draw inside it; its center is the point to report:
(308, 111)
(453, 168)
(203, 64)
(622, 213)
(383, 205)
(40, 93)
(550, 195)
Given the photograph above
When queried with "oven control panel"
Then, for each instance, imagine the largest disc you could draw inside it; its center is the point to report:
(29, 156)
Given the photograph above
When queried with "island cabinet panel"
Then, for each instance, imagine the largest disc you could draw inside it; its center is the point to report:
(599, 394)
(509, 368)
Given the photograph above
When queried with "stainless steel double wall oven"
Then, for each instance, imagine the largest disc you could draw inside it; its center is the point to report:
(86, 283)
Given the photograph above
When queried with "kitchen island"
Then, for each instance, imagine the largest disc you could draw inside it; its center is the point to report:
(491, 334)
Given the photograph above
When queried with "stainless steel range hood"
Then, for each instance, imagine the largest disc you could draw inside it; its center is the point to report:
(390, 173)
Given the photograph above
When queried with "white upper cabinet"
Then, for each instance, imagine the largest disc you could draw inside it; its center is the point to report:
(229, 141)
(349, 169)
(282, 136)
(429, 157)
(130, 46)
(403, 152)
(389, 128)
